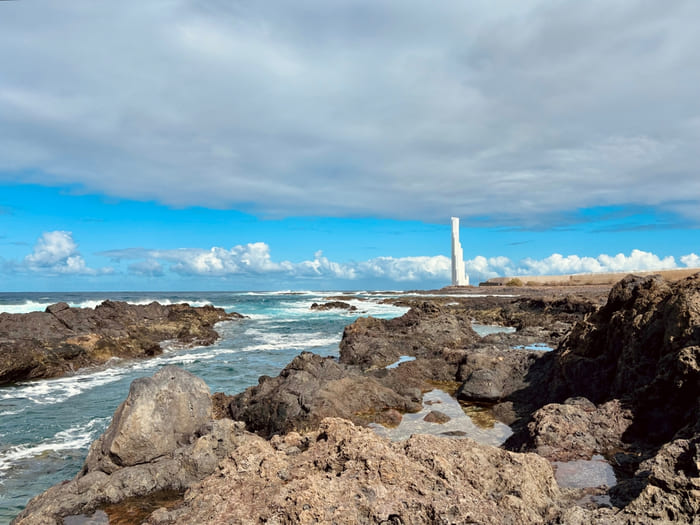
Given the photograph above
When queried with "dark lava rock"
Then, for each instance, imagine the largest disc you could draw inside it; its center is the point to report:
(425, 331)
(62, 339)
(642, 347)
(578, 429)
(490, 374)
(334, 305)
(311, 388)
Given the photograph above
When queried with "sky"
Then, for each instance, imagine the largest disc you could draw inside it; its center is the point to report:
(236, 145)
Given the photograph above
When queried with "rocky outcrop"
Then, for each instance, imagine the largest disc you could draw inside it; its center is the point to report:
(577, 429)
(161, 438)
(670, 485)
(490, 374)
(345, 474)
(312, 388)
(62, 339)
(426, 331)
(334, 305)
(624, 383)
(642, 347)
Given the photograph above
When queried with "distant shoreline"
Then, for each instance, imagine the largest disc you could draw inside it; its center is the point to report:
(584, 279)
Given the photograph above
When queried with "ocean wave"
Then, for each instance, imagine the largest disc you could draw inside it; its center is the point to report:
(74, 438)
(52, 391)
(294, 341)
(35, 306)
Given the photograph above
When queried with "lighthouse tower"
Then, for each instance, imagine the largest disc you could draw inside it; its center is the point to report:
(459, 276)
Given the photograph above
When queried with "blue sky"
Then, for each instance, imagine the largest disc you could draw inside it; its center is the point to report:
(181, 145)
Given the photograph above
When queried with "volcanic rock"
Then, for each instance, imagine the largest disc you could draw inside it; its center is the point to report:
(159, 414)
(345, 474)
(334, 305)
(578, 429)
(62, 339)
(311, 388)
(642, 347)
(161, 438)
(425, 331)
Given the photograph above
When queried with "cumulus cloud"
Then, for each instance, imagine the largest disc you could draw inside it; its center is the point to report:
(255, 260)
(57, 252)
(557, 264)
(691, 260)
(356, 108)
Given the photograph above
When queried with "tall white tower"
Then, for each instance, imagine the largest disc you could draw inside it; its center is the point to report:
(459, 276)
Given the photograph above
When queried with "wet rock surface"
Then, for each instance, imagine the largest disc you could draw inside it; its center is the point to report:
(62, 339)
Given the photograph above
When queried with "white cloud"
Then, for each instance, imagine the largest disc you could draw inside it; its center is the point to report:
(57, 252)
(557, 264)
(398, 109)
(691, 260)
(255, 260)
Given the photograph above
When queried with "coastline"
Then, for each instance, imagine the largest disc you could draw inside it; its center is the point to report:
(435, 333)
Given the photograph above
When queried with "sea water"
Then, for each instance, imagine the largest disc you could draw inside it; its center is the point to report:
(46, 426)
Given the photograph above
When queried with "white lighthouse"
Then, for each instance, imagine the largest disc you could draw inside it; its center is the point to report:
(459, 276)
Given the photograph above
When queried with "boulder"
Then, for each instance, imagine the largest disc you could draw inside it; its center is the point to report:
(161, 438)
(160, 413)
(334, 305)
(578, 429)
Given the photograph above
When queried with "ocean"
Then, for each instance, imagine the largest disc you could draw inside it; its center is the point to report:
(46, 426)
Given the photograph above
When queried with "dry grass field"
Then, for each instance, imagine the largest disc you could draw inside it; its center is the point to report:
(584, 279)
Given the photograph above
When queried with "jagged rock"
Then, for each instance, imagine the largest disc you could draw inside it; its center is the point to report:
(334, 305)
(311, 388)
(642, 347)
(491, 374)
(346, 474)
(62, 339)
(671, 484)
(578, 429)
(425, 331)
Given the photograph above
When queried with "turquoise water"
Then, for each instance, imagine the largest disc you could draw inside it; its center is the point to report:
(47, 426)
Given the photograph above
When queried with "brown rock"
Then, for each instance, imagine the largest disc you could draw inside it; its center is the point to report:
(425, 331)
(311, 388)
(62, 339)
(350, 475)
(435, 416)
(578, 429)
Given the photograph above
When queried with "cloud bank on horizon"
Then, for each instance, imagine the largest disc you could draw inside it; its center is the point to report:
(500, 112)
(57, 253)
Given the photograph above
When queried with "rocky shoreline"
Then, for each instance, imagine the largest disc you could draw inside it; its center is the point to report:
(62, 339)
(622, 383)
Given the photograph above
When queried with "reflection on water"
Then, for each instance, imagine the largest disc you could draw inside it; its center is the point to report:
(459, 425)
(581, 474)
